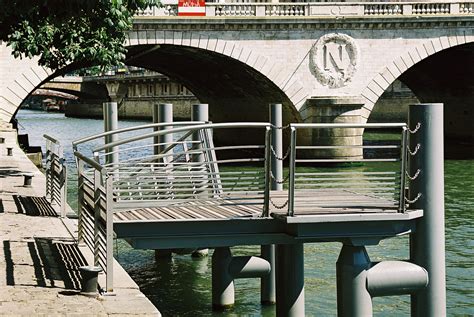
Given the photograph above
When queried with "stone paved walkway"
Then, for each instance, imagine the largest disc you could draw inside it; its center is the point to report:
(39, 257)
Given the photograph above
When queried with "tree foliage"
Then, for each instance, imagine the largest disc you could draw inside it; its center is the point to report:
(64, 31)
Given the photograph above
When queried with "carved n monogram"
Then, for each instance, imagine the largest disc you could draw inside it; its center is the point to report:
(334, 59)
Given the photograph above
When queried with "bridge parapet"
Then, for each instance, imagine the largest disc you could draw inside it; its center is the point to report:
(324, 9)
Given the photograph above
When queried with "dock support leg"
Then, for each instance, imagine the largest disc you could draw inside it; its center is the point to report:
(268, 283)
(290, 280)
(222, 282)
(163, 254)
(353, 299)
(111, 123)
(427, 244)
(162, 113)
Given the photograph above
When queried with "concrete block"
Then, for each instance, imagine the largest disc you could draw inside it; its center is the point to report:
(245, 54)
(429, 48)
(260, 62)
(169, 37)
(23, 84)
(237, 51)
(414, 55)
(12, 97)
(229, 47)
(142, 37)
(133, 36)
(211, 44)
(203, 41)
(394, 70)
(453, 41)
(375, 88)
(195, 38)
(267, 68)
(436, 43)
(460, 38)
(150, 37)
(220, 46)
(381, 82)
(186, 39)
(370, 95)
(400, 65)
(422, 51)
(407, 60)
(293, 89)
(444, 42)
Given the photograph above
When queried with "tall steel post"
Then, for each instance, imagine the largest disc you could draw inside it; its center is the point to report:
(110, 110)
(162, 113)
(199, 112)
(353, 298)
(290, 280)
(427, 244)
(268, 283)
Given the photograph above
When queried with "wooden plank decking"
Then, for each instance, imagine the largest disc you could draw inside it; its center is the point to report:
(306, 203)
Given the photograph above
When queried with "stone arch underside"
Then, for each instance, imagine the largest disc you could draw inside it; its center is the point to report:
(235, 81)
(438, 70)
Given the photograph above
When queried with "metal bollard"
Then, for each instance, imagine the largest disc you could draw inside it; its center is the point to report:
(89, 276)
(9, 151)
(28, 177)
(2, 140)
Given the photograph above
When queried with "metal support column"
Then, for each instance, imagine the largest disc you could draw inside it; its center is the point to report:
(427, 244)
(268, 284)
(353, 299)
(222, 282)
(162, 113)
(290, 280)
(111, 123)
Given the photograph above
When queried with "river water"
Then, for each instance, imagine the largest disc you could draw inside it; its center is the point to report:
(182, 286)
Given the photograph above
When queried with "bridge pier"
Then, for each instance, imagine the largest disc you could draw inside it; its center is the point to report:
(334, 110)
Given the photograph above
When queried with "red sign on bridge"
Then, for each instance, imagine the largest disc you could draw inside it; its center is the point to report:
(191, 7)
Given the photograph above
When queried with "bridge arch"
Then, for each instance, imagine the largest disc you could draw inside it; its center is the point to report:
(408, 65)
(147, 48)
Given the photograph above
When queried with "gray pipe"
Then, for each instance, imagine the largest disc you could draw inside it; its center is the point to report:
(427, 244)
(395, 278)
(110, 110)
(248, 266)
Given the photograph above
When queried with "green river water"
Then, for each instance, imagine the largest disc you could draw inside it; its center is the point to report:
(182, 286)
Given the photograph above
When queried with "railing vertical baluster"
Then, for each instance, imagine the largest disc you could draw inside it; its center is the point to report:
(291, 189)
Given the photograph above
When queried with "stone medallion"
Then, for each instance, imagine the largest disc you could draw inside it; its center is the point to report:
(334, 59)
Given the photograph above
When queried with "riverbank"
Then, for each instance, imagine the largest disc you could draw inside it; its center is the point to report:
(39, 254)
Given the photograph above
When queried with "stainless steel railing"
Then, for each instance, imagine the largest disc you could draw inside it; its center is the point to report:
(187, 169)
(56, 174)
(375, 170)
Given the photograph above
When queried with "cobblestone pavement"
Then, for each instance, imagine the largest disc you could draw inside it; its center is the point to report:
(39, 259)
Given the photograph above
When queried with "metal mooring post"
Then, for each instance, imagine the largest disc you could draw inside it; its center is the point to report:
(162, 113)
(199, 112)
(268, 283)
(290, 280)
(111, 123)
(426, 191)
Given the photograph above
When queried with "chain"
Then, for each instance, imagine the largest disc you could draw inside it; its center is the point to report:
(280, 158)
(417, 147)
(276, 180)
(279, 207)
(418, 125)
(412, 178)
(414, 200)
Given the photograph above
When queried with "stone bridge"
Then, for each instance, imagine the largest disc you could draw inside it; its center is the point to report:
(324, 62)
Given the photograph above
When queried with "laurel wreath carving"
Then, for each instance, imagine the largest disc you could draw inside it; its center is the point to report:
(331, 78)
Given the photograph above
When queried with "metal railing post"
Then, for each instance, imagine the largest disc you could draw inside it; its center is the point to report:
(110, 124)
(403, 170)
(427, 243)
(80, 201)
(109, 230)
(97, 183)
(292, 167)
(163, 113)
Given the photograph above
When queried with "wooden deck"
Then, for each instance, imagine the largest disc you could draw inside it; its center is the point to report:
(306, 203)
